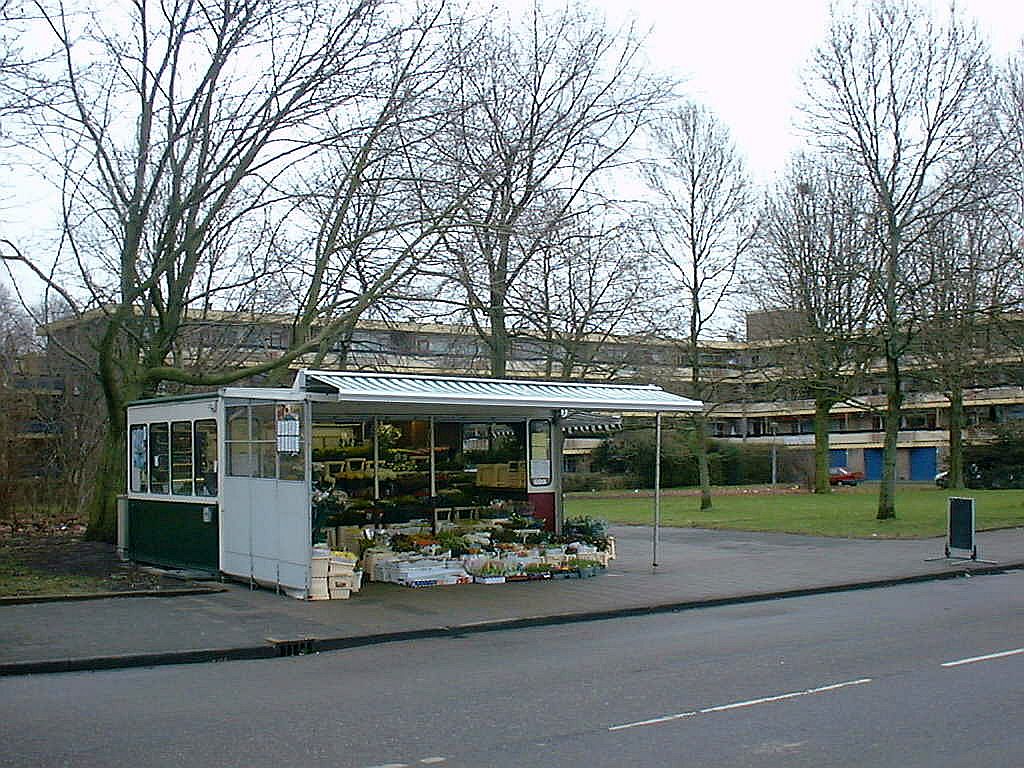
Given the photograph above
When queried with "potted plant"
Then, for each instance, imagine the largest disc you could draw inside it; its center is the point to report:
(517, 575)
(588, 568)
(562, 571)
(491, 572)
(538, 571)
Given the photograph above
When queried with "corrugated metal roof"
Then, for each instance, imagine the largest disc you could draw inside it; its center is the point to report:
(493, 393)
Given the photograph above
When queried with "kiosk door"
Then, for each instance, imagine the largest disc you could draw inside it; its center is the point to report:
(541, 485)
(265, 517)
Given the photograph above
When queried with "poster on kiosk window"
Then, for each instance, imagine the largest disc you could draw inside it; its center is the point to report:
(540, 452)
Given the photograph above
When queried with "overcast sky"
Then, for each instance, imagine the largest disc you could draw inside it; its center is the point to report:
(742, 58)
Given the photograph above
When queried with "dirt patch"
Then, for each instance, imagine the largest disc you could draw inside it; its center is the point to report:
(52, 557)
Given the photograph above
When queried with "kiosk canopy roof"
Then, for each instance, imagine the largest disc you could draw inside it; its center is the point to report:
(493, 393)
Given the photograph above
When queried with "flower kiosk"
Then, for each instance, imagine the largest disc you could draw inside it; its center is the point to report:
(243, 481)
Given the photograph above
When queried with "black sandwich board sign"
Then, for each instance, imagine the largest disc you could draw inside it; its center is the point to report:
(960, 533)
(961, 527)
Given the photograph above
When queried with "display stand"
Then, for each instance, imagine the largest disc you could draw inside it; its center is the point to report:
(960, 532)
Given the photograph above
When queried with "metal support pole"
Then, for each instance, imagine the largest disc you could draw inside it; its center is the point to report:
(775, 454)
(657, 486)
(433, 479)
(433, 465)
(376, 461)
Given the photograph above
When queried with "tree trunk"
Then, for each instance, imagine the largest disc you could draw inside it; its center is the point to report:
(894, 401)
(700, 429)
(955, 478)
(111, 468)
(498, 345)
(109, 483)
(822, 406)
(498, 340)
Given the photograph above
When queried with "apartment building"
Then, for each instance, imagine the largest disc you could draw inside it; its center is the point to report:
(752, 399)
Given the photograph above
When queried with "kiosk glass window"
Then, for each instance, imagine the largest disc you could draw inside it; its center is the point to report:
(540, 452)
(206, 457)
(182, 475)
(291, 457)
(140, 459)
(264, 434)
(265, 440)
(159, 458)
(237, 443)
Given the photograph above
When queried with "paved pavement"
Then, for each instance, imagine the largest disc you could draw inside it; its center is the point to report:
(696, 567)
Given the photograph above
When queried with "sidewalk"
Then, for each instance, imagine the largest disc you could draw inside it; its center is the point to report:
(696, 567)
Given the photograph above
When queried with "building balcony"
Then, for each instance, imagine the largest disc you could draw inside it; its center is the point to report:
(906, 438)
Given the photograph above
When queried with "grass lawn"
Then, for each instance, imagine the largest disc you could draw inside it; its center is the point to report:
(849, 512)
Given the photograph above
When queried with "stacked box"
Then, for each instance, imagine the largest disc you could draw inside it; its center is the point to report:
(489, 579)
(373, 563)
(423, 572)
(318, 588)
(339, 582)
(601, 557)
(342, 564)
(349, 538)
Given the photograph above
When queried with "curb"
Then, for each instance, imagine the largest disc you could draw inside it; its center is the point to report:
(77, 597)
(279, 648)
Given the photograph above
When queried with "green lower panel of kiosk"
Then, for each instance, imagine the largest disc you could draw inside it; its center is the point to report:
(173, 534)
(543, 505)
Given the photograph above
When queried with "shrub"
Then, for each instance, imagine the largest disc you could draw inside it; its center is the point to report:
(595, 481)
(632, 452)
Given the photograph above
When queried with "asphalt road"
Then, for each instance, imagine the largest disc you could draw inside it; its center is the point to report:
(870, 678)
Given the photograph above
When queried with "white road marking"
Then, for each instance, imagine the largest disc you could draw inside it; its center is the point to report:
(433, 760)
(987, 657)
(390, 765)
(740, 704)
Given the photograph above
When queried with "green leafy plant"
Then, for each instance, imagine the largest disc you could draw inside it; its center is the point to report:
(401, 542)
(453, 540)
(504, 536)
(492, 568)
(589, 530)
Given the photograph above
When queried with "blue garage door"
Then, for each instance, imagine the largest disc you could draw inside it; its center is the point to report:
(837, 457)
(923, 463)
(872, 463)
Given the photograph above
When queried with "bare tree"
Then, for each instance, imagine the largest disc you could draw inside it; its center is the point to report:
(969, 278)
(816, 257)
(590, 285)
(1011, 159)
(13, 62)
(545, 107)
(699, 227)
(16, 403)
(177, 139)
(16, 333)
(904, 98)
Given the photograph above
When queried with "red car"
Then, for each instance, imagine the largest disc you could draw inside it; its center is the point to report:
(843, 476)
